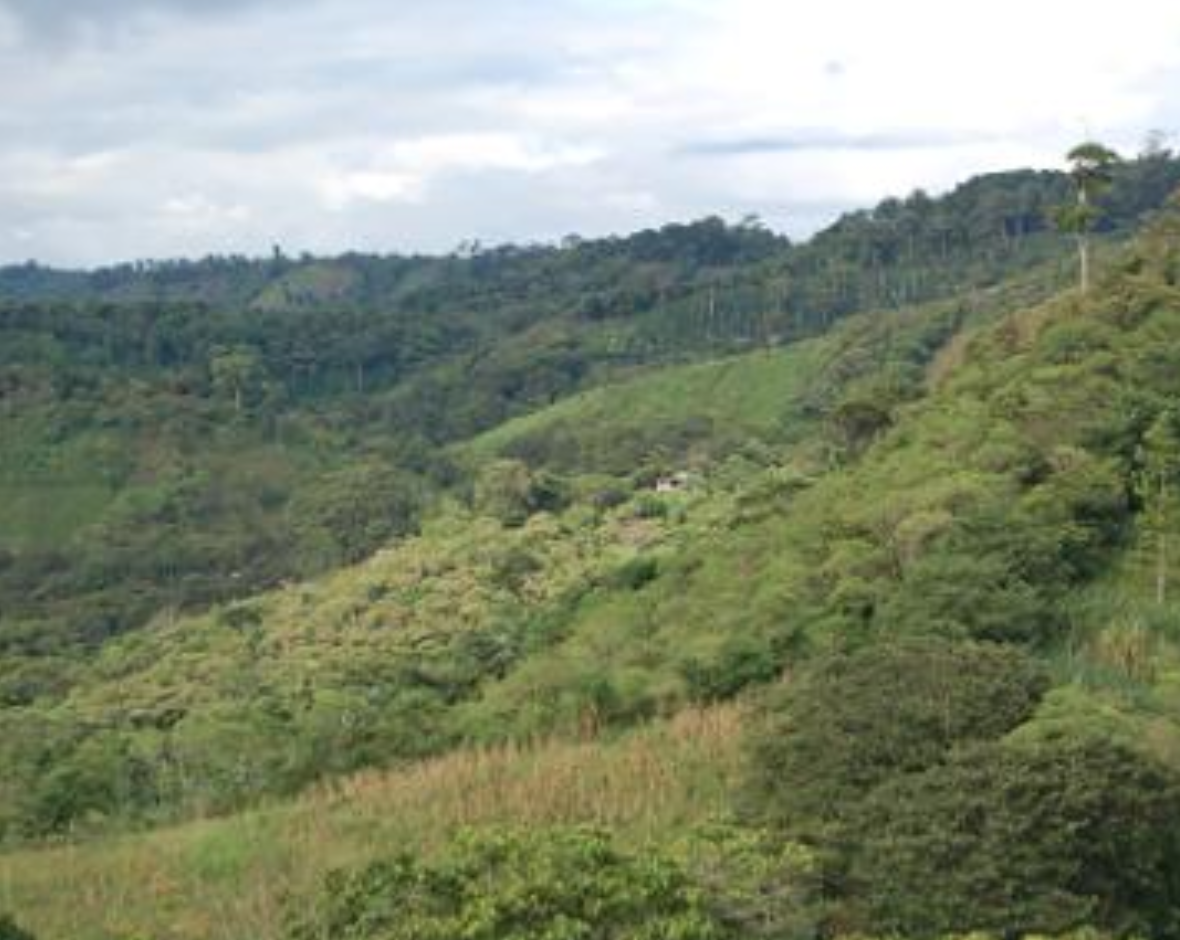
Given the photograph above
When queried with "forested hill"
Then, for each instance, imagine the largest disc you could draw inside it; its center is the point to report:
(177, 434)
(265, 524)
(176, 438)
(947, 527)
(981, 223)
(524, 325)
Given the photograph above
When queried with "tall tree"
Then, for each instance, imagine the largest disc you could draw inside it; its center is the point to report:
(233, 371)
(1091, 166)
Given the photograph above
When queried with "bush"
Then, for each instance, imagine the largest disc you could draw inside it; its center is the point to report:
(502, 885)
(350, 513)
(1019, 839)
(739, 663)
(509, 491)
(650, 506)
(755, 886)
(633, 574)
(851, 721)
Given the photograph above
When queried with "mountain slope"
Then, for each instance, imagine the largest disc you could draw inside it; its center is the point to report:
(175, 435)
(1003, 500)
(610, 604)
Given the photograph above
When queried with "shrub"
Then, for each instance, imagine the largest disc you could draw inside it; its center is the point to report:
(850, 721)
(740, 662)
(350, 513)
(650, 506)
(755, 885)
(503, 885)
(633, 574)
(1022, 839)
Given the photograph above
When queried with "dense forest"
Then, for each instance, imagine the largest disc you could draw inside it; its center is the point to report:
(692, 584)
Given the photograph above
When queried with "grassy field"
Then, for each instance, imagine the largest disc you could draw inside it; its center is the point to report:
(229, 879)
(745, 394)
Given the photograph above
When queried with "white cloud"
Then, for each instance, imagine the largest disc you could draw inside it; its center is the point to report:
(186, 127)
(196, 210)
(340, 190)
(489, 151)
(404, 171)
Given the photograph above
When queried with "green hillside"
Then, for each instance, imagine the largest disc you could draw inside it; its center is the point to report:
(282, 616)
(674, 417)
(176, 435)
(741, 396)
(532, 591)
(231, 878)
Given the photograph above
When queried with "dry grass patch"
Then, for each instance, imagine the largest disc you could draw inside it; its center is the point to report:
(229, 879)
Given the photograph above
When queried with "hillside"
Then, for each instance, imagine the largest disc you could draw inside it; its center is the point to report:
(386, 661)
(230, 878)
(251, 581)
(178, 435)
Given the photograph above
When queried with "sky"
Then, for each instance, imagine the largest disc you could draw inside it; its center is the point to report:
(137, 129)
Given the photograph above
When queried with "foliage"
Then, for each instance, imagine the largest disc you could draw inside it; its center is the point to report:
(851, 721)
(354, 511)
(1023, 840)
(907, 517)
(321, 363)
(156, 659)
(538, 885)
(1156, 489)
(755, 886)
(1092, 172)
(232, 877)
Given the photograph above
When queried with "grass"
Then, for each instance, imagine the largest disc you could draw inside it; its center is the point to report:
(747, 393)
(230, 879)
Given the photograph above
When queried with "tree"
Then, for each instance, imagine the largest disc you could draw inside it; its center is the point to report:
(1159, 457)
(1091, 166)
(351, 512)
(1021, 839)
(852, 721)
(509, 491)
(755, 885)
(233, 372)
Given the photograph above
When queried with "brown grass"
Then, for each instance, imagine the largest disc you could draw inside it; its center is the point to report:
(230, 879)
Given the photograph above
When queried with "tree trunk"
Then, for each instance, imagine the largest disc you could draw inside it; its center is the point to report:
(1161, 568)
(1161, 544)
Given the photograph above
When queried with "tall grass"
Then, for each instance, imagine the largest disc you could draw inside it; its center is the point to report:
(231, 879)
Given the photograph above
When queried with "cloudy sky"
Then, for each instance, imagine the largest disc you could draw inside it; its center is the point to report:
(159, 128)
